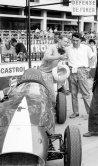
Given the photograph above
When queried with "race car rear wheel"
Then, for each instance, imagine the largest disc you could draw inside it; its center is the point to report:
(61, 107)
(72, 143)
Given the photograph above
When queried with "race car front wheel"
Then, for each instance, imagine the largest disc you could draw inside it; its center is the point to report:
(72, 144)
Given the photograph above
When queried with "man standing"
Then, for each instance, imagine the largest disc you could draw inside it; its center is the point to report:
(78, 61)
(93, 113)
(52, 56)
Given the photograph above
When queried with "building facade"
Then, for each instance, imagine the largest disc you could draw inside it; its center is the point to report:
(13, 16)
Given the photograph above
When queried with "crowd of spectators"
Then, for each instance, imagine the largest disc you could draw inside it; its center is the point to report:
(40, 34)
(42, 37)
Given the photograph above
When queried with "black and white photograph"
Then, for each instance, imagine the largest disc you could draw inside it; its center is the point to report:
(48, 82)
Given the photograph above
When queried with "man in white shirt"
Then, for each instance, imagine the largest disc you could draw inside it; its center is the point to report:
(78, 60)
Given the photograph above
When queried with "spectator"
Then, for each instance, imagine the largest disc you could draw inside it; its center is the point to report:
(37, 31)
(50, 30)
(7, 48)
(20, 49)
(56, 37)
(83, 40)
(92, 45)
(0, 50)
(8, 52)
(55, 30)
(78, 61)
(82, 34)
(93, 113)
(37, 35)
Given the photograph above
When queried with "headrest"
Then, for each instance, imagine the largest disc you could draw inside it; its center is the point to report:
(33, 75)
(61, 72)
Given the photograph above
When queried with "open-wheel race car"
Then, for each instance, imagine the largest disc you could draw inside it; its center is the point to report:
(27, 127)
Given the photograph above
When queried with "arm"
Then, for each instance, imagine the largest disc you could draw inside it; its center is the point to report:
(51, 55)
(92, 61)
(92, 57)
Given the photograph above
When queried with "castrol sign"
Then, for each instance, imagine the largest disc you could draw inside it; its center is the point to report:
(16, 69)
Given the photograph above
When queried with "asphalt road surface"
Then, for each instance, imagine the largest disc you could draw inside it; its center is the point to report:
(89, 145)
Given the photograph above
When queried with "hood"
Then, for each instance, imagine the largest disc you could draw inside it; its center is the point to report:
(24, 139)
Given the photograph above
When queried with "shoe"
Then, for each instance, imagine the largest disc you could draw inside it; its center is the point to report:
(66, 92)
(74, 115)
(61, 89)
(90, 134)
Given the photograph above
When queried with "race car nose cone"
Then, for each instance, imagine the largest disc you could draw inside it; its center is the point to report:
(19, 136)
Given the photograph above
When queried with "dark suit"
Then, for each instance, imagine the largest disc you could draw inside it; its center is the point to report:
(93, 113)
(95, 83)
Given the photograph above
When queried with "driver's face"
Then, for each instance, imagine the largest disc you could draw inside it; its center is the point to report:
(64, 42)
(76, 42)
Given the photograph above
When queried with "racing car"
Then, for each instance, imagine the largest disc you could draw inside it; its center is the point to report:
(27, 127)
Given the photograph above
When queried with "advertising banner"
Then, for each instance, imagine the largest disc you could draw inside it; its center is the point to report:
(83, 7)
(39, 48)
(16, 69)
(13, 70)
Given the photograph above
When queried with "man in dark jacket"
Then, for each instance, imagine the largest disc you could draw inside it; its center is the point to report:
(20, 49)
(93, 114)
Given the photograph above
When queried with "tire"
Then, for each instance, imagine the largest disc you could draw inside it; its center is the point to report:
(73, 148)
(61, 108)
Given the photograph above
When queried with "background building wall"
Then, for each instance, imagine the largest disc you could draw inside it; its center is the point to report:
(14, 16)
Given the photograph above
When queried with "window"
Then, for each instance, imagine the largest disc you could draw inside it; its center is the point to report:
(8, 10)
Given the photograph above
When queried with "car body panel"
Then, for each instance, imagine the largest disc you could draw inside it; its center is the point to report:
(31, 98)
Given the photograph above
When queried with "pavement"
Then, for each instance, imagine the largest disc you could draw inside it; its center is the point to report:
(90, 144)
